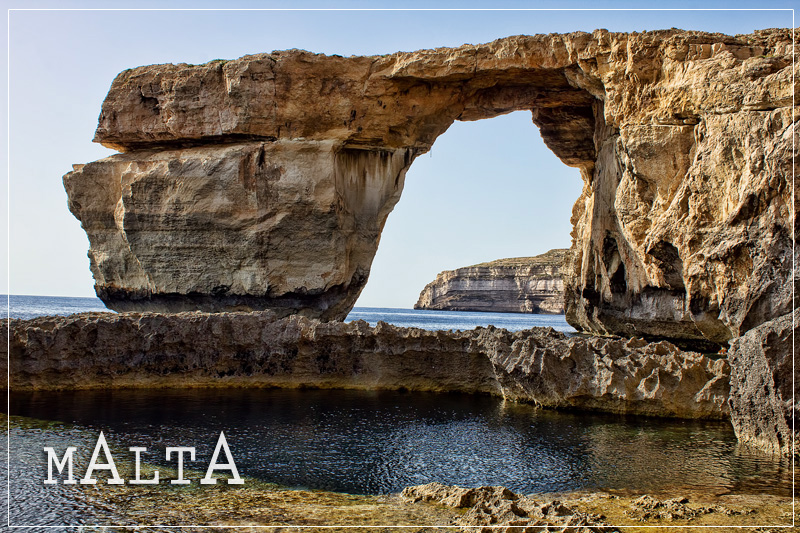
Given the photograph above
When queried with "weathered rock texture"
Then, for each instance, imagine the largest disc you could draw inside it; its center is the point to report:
(541, 366)
(498, 509)
(291, 226)
(264, 182)
(518, 285)
(492, 509)
(765, 386)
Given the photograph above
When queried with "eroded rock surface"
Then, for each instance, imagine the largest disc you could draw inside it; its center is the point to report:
(499, 509)
(646, 508)
(683, 139)
(289, 226)
(517, 285)
(765, 386)
(541, 366)
(491, 509)
(616, 375)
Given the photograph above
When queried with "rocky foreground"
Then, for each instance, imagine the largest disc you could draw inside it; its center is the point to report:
(540, 366)
(436, 507)
(515, 285)
(264, 182)
(497, 509)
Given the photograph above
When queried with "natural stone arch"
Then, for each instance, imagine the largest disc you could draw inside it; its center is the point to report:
(264, 182)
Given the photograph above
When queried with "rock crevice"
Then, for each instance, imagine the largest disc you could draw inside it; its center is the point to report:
(765, 389)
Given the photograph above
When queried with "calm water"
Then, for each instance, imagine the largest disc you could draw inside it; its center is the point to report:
(376, 442)
(379, 442)
(33, 306)
(458, 320)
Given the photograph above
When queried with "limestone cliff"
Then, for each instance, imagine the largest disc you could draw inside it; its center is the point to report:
(290, 226)
(518, 285)
(540, 366)
(264, 182)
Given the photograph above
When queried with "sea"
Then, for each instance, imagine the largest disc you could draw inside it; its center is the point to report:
(369, 442)
(27, 307)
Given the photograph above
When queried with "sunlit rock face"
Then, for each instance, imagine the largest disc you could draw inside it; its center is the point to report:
(683, 228)
(287, 225)
(264, 182)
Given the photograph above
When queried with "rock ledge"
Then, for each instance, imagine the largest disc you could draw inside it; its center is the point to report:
(540, 366)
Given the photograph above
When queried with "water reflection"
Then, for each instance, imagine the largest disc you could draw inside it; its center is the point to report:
(31, 501)
(679, 456)
(380, 442)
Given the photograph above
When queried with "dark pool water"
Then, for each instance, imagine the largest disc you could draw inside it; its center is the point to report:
(380, 442)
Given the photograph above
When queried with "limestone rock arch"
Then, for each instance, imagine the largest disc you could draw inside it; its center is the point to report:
(265, 182)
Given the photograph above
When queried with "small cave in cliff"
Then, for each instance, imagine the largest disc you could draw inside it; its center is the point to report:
(615, 267)
(670, 262)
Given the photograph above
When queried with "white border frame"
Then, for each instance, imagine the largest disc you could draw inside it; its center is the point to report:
(8, 256)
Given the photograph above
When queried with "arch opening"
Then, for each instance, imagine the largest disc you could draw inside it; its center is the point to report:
(487, 190)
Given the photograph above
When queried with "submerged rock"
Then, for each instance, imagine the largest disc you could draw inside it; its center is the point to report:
(765, 386)
(518, 285)
(541, 366)
(264, 182)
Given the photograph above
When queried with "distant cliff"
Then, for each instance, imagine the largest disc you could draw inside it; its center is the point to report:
(517, 285)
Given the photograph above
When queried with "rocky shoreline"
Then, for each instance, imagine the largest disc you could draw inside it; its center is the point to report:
(434, 507)
(492, 509)
(538, 366)
(752, 384)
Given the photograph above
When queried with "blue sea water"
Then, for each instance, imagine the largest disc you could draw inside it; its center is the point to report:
(458, 320)
(28, 307)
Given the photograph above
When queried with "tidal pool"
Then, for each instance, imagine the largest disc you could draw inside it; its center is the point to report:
(377, 442)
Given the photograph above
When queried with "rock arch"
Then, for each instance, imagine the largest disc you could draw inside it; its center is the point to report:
(264, 182)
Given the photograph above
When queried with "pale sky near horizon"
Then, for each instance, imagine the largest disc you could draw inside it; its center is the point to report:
(488, 189)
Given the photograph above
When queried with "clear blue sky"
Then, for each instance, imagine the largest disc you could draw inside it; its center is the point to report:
(488, 189)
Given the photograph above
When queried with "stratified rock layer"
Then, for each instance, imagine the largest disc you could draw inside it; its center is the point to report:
(103, 350)
(684, 141)
(518, 285)
(765, 386)
(290, 226)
